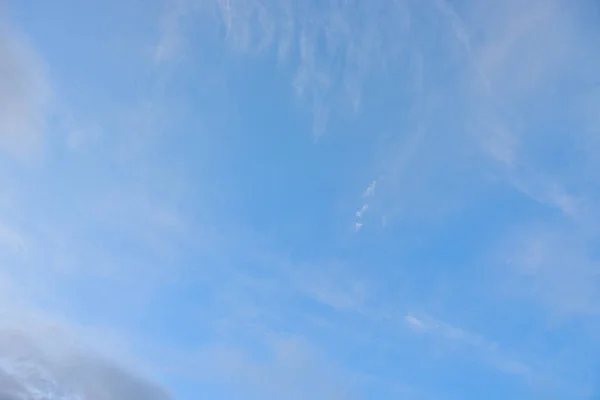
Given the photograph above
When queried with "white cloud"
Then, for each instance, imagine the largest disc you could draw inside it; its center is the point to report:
(362, 210)
(24, 93)
(370, 190)
(415, 322)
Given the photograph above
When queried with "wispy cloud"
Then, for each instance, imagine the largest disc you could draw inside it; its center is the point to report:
(11, 239)
(459, 99)
(529, 66)
(171, 45)
(24, 95)
(490, 352)
(416, 322)
(553, 266)
(280, 366)
(331, 284)
(526, 57)
(542, 374)
(457, 24)
(332, 49)
(433, 326)
(370, 190)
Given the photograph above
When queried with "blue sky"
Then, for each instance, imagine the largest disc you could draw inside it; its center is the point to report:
(257, 199)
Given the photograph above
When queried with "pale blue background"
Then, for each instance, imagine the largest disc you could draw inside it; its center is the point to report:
(260, 199)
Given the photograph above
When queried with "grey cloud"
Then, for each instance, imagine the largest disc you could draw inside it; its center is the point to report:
(32, 371)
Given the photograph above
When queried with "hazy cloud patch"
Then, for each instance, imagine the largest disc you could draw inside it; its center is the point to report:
(34, 370)
(24, 93)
